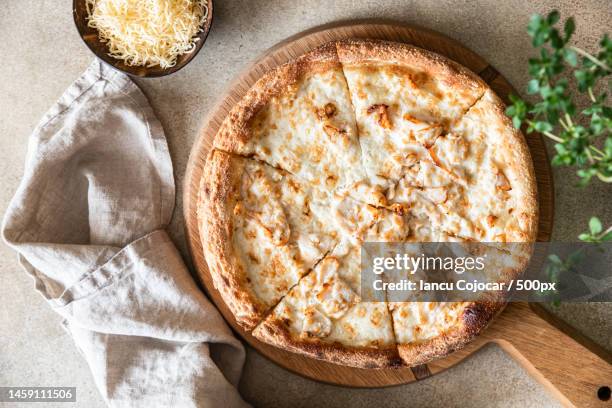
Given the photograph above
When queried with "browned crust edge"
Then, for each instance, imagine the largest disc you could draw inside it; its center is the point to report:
(216, 200)
(273, 331)
(365, 51)
(476, 317)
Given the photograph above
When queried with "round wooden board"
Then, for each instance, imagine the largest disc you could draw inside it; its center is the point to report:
(281, 53)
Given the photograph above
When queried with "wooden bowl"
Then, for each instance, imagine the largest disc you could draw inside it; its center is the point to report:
(91, 39)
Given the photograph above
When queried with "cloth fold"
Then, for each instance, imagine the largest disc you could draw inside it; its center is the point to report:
(88, 224)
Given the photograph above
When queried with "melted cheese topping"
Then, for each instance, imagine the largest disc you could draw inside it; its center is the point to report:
(415, 109)
(324, 306)
(416, 322)
(310, 131)
(148, 32)
(462, 187)
(283, 226)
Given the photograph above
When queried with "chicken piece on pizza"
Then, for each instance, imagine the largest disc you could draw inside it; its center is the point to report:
(299, 117)
(429, 197)
(357, 222)
(389, 227)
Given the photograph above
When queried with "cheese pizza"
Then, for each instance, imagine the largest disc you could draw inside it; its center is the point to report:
(360, 141)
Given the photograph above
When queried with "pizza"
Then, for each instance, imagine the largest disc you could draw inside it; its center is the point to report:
(360, 141)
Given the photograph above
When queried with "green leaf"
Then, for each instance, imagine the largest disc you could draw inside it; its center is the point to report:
(533, 86)
(554, 258)
(582, 78)
(607, 237)
(543, 127)
(595, 225)
(540, 38)
(574, 258)
(546, 91)
(569, 28)
(555, 39)
(553, 17)
(534, 26)
(608, 146)
(570, 56)
(555, 99)
(584, 237)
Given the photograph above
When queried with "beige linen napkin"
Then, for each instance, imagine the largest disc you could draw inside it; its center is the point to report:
(87, 222)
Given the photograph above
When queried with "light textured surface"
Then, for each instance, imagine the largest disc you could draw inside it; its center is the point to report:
(43, 55)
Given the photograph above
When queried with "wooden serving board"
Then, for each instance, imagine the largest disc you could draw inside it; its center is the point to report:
(573, 371)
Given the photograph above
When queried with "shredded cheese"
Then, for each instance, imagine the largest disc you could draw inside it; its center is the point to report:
(148, 32)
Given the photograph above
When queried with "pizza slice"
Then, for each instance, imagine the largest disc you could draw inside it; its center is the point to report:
(500, 201)
(299, 118)
(404, 99)
(324, 317)
(425, 329)
(476, 181)
(258, 233)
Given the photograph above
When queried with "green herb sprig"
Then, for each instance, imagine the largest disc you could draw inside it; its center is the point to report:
(589, 147)
(557, 267)
(596, 234)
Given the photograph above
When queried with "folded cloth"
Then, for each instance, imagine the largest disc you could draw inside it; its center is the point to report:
(87, 222)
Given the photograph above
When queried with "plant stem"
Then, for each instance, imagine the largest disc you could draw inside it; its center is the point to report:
(596, 150)
(553, 137)
(606, 232)
(590, 156)
(590, 90)
(604, 178)
(590, 57)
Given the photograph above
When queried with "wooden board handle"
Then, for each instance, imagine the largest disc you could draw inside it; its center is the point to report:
(576, 372)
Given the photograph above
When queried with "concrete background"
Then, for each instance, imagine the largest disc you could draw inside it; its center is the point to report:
(42, 54)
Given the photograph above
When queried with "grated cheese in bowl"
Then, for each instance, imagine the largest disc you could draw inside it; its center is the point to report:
(148, 32)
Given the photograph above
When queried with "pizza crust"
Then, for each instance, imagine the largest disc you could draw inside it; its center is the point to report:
(276, 333)
(357, 52)
(519, 170)
(218, 194)
(474, 319)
